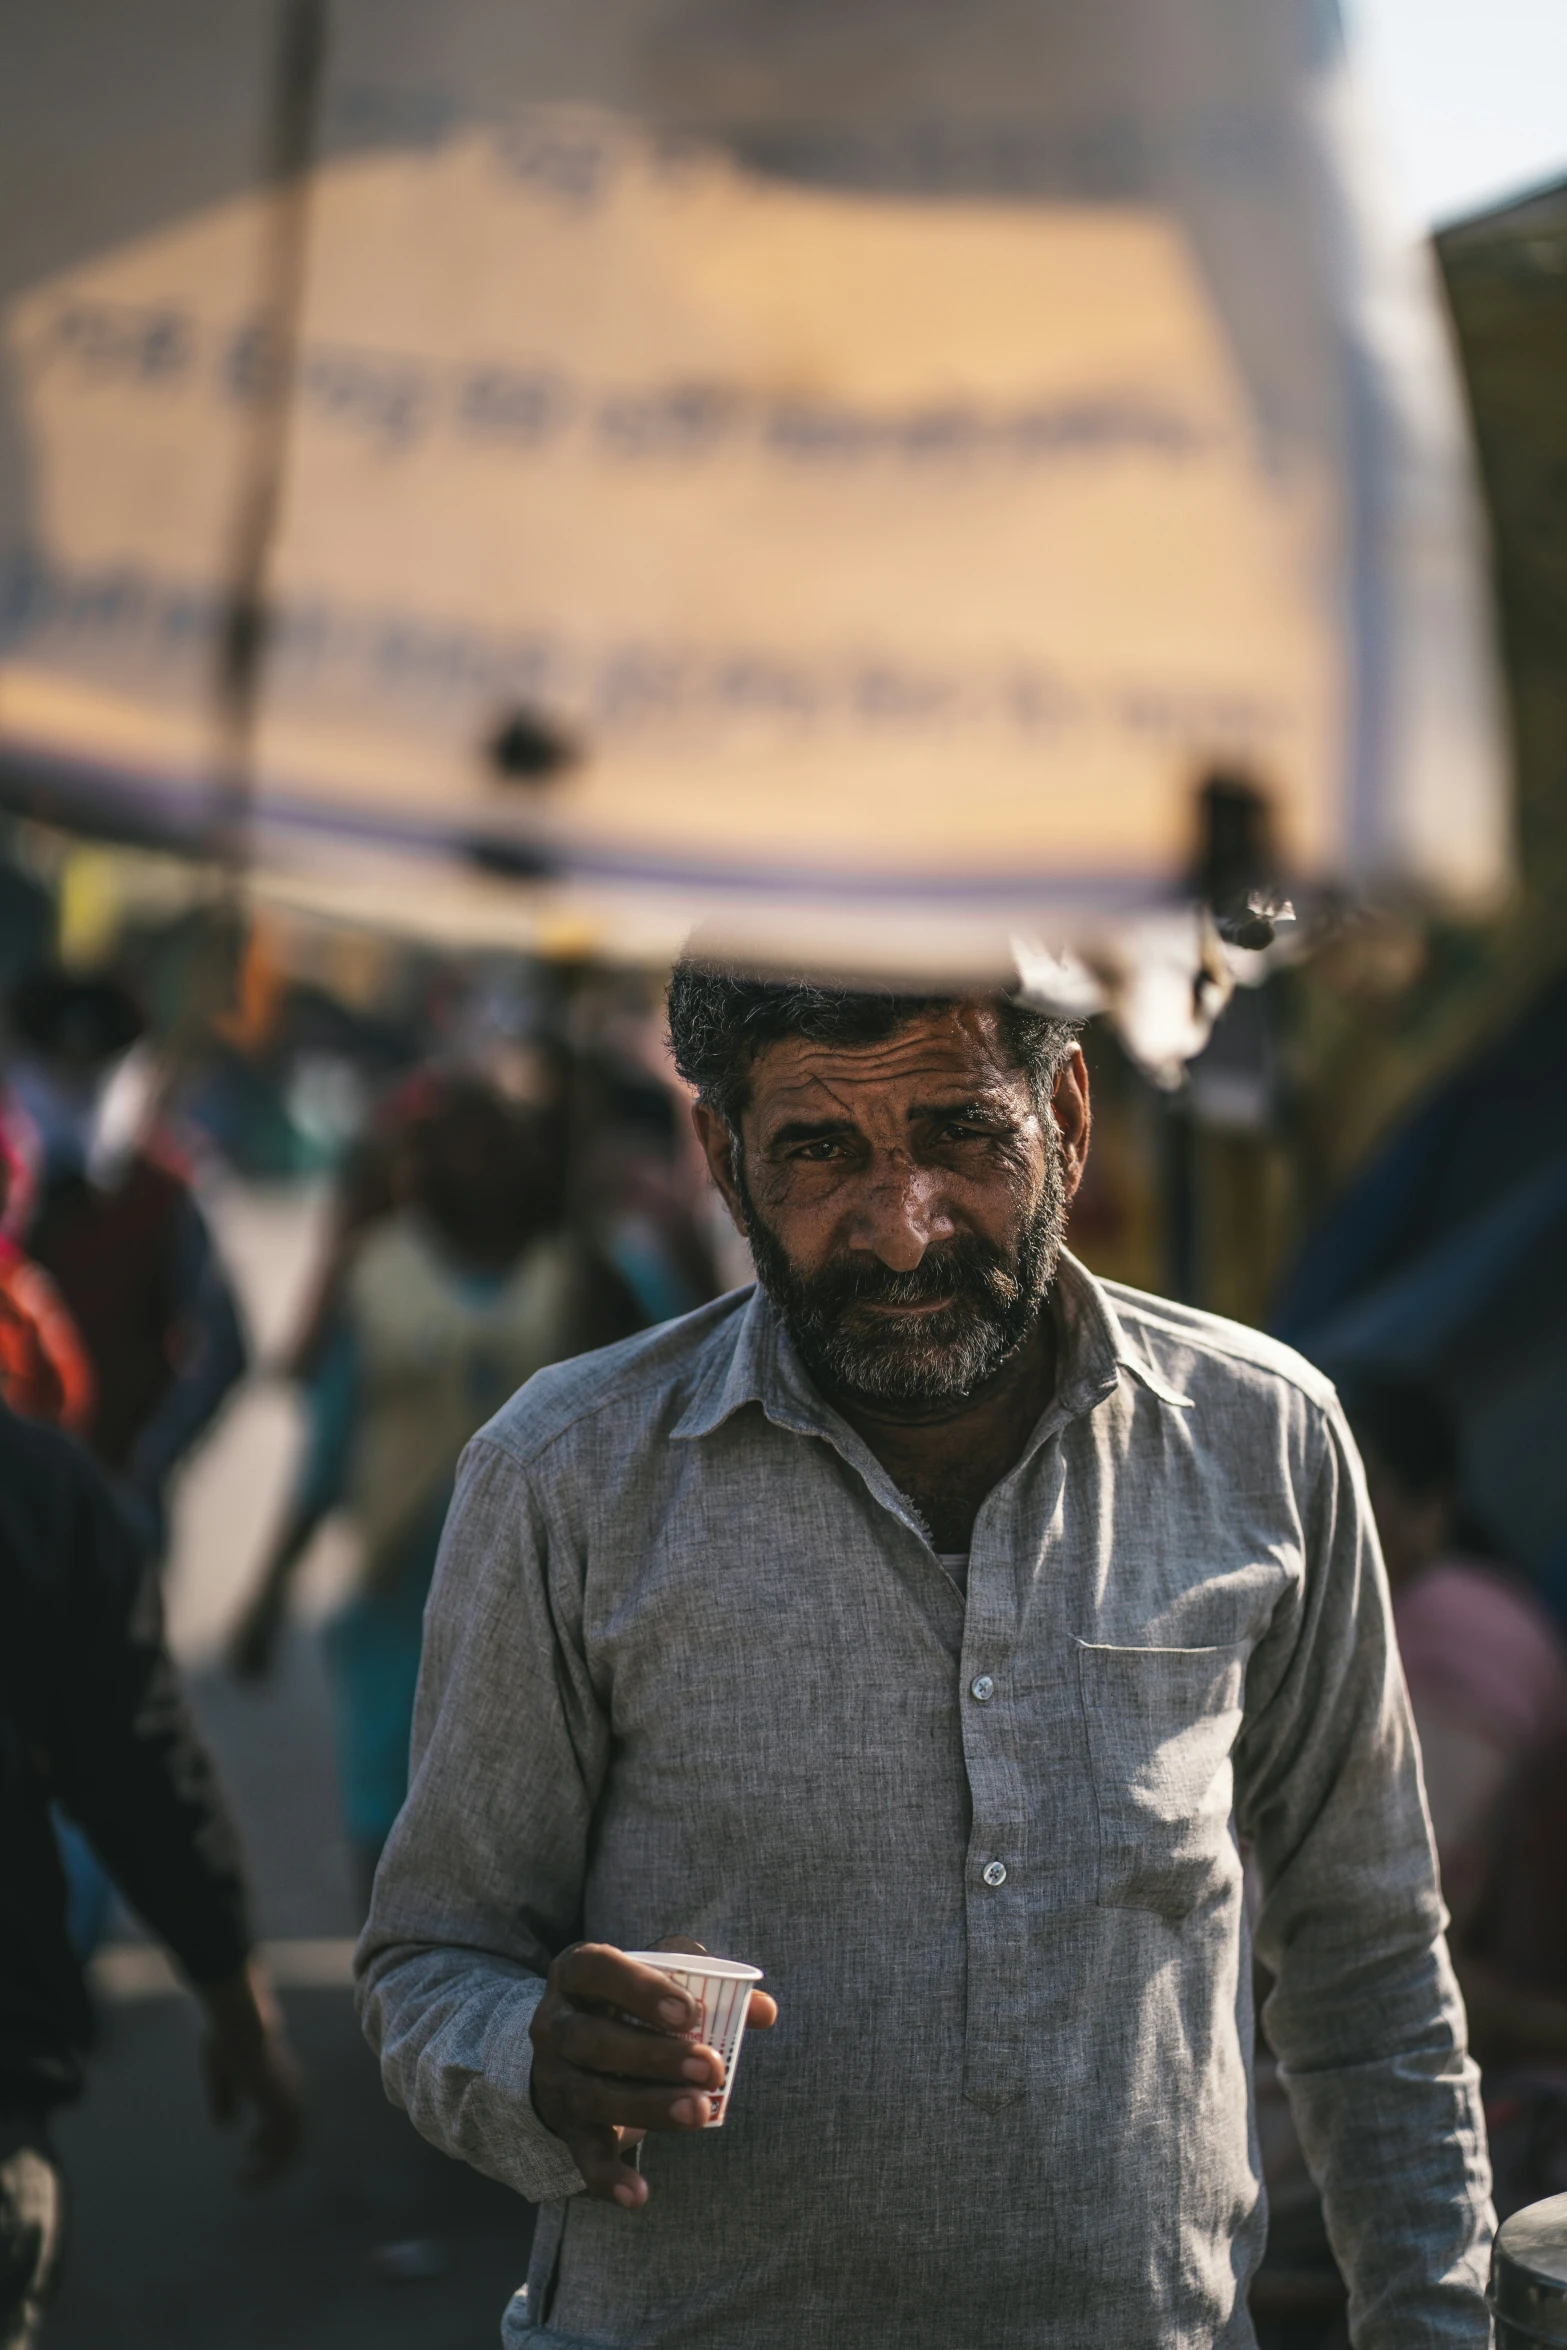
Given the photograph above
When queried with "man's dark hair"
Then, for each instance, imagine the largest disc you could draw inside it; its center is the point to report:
(720, 1020)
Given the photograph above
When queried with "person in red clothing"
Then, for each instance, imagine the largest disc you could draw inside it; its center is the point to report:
(44, 1371)
(44, 1374)
(115, 1224)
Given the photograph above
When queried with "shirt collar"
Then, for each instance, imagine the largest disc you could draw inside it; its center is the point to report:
(763, 1368)
(1095, 1339)
(760, 1367)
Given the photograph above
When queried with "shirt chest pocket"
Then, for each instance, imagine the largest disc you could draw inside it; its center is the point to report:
(1161, 1723)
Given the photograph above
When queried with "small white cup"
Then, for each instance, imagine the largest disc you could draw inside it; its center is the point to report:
(723, 1985)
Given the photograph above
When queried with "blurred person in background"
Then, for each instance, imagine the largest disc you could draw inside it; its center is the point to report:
(1486, 1667)
(92, 1719)
(1487, 1677)
(615, 1129)
(1487, 1674)
(649, 1192)
(101, 1203)
(112, 1218)
(45, 1375)
(322, 1364)
(437, 1300)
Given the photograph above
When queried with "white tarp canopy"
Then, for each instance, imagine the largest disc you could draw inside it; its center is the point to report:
(900, 448)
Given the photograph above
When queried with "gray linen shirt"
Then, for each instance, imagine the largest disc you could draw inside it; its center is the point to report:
(691, 1666)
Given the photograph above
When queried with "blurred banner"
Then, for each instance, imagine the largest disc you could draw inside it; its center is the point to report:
(841, 472)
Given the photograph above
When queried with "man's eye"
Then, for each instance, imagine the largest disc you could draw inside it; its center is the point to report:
(957, 1132)
(815, 1152)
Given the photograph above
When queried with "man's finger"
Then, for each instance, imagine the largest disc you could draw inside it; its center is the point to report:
(594, 1973)
(762, 2013)
(585, 2100)
(597, 2044)
(605, 2173)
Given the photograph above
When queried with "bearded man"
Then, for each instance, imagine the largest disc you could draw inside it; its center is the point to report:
(928, 1626)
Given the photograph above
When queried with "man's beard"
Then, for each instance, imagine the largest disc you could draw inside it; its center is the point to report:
(938, 1357)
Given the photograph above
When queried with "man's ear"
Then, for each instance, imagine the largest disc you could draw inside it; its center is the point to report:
(1074, 1118)
(718, 1148)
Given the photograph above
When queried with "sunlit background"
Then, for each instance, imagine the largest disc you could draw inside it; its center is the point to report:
(1367, 1154)
(1468, 99)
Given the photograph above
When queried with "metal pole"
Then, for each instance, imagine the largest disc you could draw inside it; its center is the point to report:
(245, 622)
(242, 640)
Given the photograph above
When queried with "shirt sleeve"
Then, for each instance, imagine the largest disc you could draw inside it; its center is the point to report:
(1365, 2015)
(126, 1758)
(481, 1882)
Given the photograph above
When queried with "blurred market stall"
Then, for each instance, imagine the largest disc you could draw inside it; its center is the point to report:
(1438, 1118)
(843, 477)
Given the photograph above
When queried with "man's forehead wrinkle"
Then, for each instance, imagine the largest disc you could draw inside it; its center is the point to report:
(978, 1101)
(952, 1073)
(819, 1094)
(813, 1097)
(950, 1067)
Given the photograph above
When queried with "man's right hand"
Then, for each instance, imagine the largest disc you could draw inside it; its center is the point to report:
(601, 2083)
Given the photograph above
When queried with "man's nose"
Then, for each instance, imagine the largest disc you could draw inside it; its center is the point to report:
(901, 1214)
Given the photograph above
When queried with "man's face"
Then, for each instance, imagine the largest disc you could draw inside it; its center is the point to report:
(904, 1200)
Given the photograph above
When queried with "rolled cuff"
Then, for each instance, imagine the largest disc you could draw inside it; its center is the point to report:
(451, 2030)
(542, 2166)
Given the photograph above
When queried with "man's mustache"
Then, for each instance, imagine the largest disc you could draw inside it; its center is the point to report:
(964, 1267)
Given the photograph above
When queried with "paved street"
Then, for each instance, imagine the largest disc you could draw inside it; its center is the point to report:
(375, 2240)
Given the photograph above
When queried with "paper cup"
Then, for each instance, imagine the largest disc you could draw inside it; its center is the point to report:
(724, 1987)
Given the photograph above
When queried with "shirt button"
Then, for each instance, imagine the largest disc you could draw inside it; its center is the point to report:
(995, 1872)
(982, 1689)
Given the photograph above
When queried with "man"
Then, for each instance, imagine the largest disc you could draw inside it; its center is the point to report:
(925, 1627)
(91, 1719)
(115, 1224)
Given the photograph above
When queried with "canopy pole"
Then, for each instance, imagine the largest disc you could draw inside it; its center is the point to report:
(245, 620)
